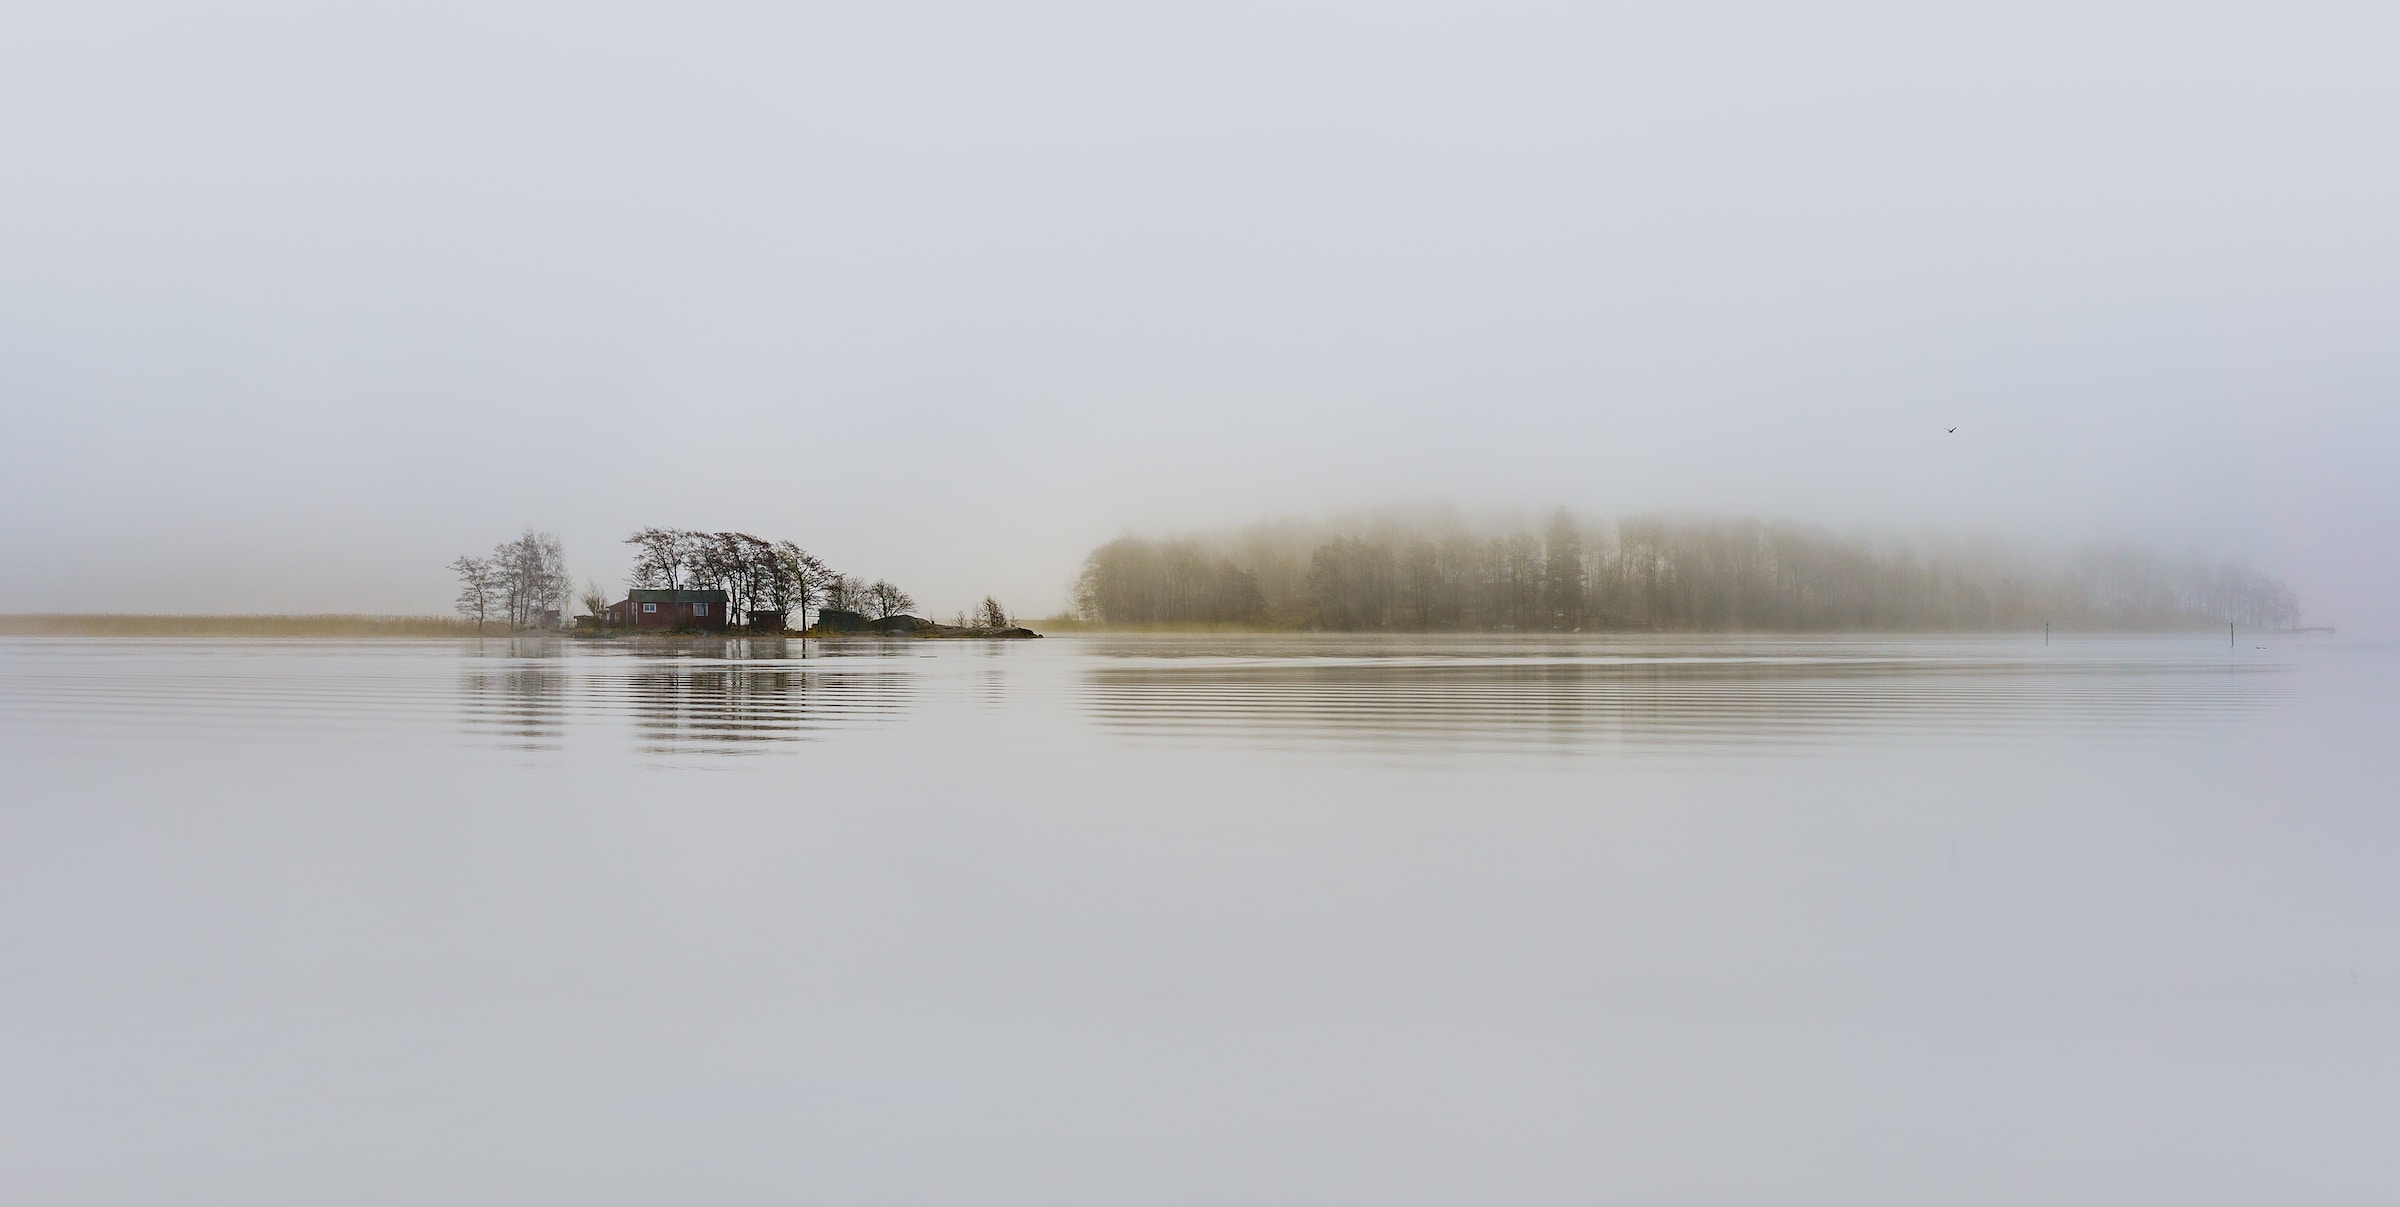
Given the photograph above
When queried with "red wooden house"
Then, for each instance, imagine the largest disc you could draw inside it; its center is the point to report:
(647, 609)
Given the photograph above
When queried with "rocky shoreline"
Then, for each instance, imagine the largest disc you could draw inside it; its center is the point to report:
(919, 627)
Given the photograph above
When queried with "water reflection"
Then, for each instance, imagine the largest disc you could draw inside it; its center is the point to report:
(732, 709)
(524, 706)
(1667, 698)
(742, 695)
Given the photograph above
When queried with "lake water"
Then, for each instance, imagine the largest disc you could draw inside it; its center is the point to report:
(1098, 920)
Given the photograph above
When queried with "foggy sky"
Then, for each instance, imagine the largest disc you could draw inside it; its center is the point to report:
(299, 302)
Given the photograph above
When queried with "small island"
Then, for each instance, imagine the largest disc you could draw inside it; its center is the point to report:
(674, 611)
(694, 583)
(837, 622)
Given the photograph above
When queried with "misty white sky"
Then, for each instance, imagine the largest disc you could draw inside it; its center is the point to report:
(300, 301)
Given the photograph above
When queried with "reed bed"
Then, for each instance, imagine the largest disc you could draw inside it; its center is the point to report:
(68, 624)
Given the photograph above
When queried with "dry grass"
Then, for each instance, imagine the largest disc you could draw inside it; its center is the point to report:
(332, 625)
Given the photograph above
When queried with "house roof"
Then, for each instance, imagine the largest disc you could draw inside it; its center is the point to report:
(649, 596)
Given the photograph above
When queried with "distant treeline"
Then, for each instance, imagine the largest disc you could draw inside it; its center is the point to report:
(1652, 573)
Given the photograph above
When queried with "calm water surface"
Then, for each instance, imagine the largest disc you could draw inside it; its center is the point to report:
(1200, 920)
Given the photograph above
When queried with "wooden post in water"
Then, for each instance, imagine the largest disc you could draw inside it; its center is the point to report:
(2045, 633)
(2229, 634)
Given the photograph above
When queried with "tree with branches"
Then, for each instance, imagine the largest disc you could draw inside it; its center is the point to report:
(533, 576)
(846, 592)
(478, 589)
(885, 599)
(662, 557)
(520, 581)
(795, 579)
(756, 574)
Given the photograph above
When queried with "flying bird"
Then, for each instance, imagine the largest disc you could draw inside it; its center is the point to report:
(1953, 429)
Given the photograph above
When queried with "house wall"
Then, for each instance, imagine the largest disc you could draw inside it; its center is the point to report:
(678, 616)
(629, 614)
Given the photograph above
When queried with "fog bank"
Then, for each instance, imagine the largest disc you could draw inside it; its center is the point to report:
(301, 304)
(1436, 571)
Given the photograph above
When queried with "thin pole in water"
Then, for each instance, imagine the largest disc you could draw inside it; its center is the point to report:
(2045, 632)
(2229, 634)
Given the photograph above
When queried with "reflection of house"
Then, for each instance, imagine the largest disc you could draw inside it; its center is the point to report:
(645, 609)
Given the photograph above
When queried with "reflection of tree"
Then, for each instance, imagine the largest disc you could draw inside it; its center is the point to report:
(525, 705)
(1648, 702)
(731, 708)
(725, 696)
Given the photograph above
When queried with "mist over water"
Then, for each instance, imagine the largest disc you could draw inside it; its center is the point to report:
(1630, 455)
(1199, 919)
(1433, 573)
(300, 308)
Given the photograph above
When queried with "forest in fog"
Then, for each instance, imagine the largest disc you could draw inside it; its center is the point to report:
(1652, 572)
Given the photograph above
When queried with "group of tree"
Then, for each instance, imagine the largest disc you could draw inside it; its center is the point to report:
(990, 614)
(1652, 572)
(1134, 581)
(517, 585)
(756, 574)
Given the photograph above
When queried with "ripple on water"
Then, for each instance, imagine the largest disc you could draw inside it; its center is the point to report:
(1400, 694)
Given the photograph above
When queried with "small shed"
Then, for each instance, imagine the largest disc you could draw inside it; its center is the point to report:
(840, 620)
(650, 609)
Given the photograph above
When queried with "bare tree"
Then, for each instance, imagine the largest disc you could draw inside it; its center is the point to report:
(991, 614)
(756, 574)
(732, 562)
(478, 589)
(532, 577)
(795, 579)
(663, 557)
(1562, 571)
(1133, 581)
(846, 592)
(595, 600)
(885, 599)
